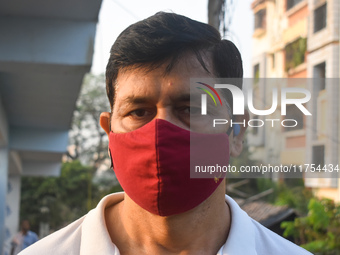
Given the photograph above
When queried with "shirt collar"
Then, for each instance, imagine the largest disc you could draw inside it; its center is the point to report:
(95, 238)
(241, 239)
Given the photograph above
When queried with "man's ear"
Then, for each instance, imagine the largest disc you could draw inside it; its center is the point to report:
(237, 141)
(104, 121)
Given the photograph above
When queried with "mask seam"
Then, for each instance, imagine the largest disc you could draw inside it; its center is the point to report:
(158, 170)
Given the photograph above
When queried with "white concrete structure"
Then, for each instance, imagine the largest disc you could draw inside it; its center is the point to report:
(323, 62)
(45, 50)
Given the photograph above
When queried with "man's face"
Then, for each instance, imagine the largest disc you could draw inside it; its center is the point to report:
(25, 226)
(143, 96)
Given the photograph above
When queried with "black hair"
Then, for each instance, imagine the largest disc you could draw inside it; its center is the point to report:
(167, 37)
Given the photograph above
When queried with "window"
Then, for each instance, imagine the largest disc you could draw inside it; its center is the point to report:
(319, 72)
(256, 73)
(295, 53)
(292, 3)
(320, 18)
(319, 99)
(294, 113)
(319, 155)
(260, 19)
(273, 60)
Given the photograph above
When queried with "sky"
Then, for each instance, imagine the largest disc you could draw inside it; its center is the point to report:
(116, 15)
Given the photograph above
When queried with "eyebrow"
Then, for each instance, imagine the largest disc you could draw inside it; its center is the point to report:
(143, 99)
(181, 98)
(186, 98)
(136, 100)
(130, 100)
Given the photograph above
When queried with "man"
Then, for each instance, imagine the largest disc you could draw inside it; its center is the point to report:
(23, 239)
(163, 210)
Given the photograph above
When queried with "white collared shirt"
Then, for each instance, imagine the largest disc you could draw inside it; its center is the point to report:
(88, 235)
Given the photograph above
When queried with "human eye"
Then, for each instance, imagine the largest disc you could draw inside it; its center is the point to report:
(194, 111)
(189, 111)
(140, 113)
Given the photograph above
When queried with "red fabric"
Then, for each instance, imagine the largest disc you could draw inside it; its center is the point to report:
(152, 164)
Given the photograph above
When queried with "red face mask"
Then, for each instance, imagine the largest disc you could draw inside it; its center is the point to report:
(152, 164)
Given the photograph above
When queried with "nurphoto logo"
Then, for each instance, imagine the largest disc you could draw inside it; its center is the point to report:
(240, 102)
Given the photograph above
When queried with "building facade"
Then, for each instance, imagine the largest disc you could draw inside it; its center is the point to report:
(300, 39)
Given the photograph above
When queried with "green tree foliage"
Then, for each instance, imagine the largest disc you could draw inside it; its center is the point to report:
(58, 200)
(319, 231)
(87, 139)
(295, 195)
(290, 192)
(61, 200)
(295, 53)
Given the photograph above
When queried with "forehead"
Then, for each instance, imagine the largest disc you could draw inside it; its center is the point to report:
(142, 80)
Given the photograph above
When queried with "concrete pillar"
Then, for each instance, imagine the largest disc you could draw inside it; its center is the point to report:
(3, 191)
(13, 210)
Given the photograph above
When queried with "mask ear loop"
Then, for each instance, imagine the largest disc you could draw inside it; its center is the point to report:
(216, 179)
(232, 119)
(111, 160)
(230, 127)
(229, 130)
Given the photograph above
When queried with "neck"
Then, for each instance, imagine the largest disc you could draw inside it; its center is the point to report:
(202, 230)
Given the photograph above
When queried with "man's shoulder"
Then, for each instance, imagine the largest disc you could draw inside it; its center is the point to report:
(63, 241)
(247, 236)
(268, 242)
(32, 234)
